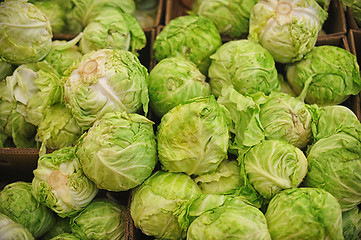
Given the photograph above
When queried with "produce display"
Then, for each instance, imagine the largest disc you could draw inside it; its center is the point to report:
(231, 121)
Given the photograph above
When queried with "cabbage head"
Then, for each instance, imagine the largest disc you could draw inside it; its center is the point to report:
(231, 17)
(64, 53)
(287, 29)
(274, 165)
(327, 75)
(61, 226)
(113, 29)
(234, 219)
(335, 119)
(10, 230)
(287, 118)
(245, 65)
(193, 137)
(335, 166)
(304, 213)
(105, 80)
(155, 201)
(356, 11)
(167, 89)
(83, 12)
(26, 32)
(103, 219)
(193, 37)
(60, 183)
(119, 151)
(18, 203)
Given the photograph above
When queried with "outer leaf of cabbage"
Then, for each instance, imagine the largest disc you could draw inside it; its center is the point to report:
(101, 219)
(6, 69)
(243, 117)
(18, 203)
(327, 75)
(64, 53)
(356, 10)
(287, 29)
(154, 203)
(11, 230)
(26, 32)
(65, 236)
(105, 80)
(335, 119)
(245, 65)
(335, 166)
(167, 89)
(304, 213)
(193, 37)
(83, 12)
(193, 137)
(119, 151)
(34, 86)
(232, 220)
(230, 16)
(113, 29)
(61, 226)
(274, 165)
(58, 129)
(60, 183)
(351, 224)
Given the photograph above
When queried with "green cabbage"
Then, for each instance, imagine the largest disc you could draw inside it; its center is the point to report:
(119, 151)
(167, 89)
(335, 166)
(115, 30)
(26, 32)
(245, 65)
(287, 29)
(193, 137)
(327, 75)
(155, 202)
(304, 213)
(10, 230)
(193, 37)
(18, 203)
(60, 183)
(351, 224)
(105, 80)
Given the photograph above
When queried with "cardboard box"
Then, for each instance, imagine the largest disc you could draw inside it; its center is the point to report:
(333, 26)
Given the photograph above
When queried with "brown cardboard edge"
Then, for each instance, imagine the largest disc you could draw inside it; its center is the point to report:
(354, 37)
(351, 21)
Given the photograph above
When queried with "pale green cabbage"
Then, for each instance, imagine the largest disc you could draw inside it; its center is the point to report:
(60, 183)
(113, 29)
(105, 80)
(119, 151)
(351, 224)
(335, 166)
(304, 213)
(327, 75)
(193, 137)
(155, 202)
(245, 65)
(168, 89)
(26, 32)
(287, 29)
(103, 219)
(193, 37)
(274, 165)
(18, 203)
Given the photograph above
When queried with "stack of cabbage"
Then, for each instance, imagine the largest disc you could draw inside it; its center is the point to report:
(252, 138)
